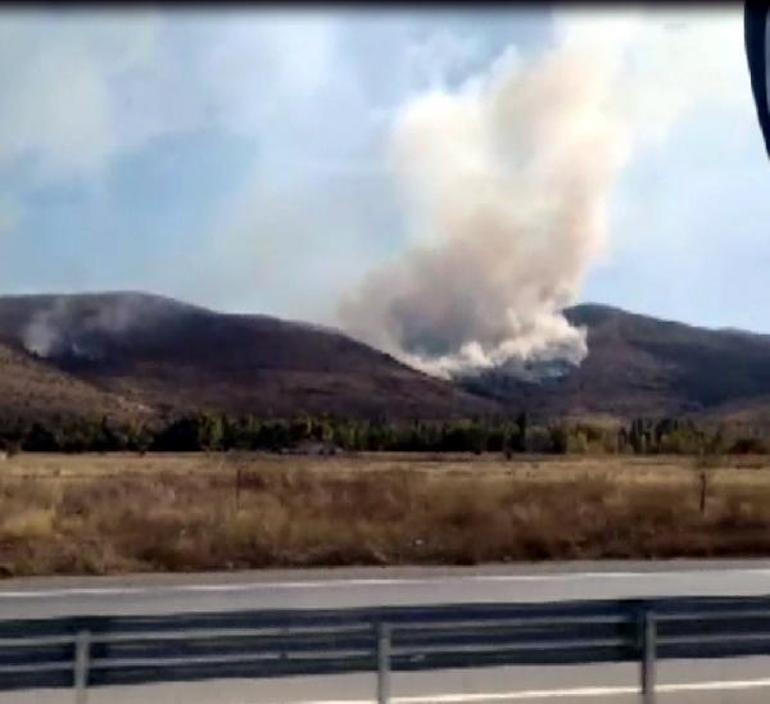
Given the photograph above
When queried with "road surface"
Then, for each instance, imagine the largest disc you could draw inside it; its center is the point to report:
(739, 681)
(344, 587)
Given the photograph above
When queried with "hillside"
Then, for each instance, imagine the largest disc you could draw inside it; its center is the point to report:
(639, 365)
(136, 355)
(132, 350)
(32, 389)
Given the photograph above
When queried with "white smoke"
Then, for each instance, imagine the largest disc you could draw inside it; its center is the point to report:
(68, 325)
(43, 334)
(507, 184)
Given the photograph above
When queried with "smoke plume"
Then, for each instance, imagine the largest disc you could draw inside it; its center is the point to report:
(506, 185)
(78, 326)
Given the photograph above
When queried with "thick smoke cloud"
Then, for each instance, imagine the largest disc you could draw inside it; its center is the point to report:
(509, 179)
(507, 185)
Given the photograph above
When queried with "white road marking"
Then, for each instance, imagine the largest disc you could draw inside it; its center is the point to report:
(555, 693)
(362, 582)
(531, 694)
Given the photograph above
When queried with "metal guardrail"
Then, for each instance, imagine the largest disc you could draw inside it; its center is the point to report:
(84, 652)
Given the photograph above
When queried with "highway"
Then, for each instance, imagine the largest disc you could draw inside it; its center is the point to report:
(744, 680)
(345, 587)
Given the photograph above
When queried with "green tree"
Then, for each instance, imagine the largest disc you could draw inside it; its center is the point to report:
(210, 431)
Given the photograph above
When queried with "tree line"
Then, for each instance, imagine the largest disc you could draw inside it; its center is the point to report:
(214, 432)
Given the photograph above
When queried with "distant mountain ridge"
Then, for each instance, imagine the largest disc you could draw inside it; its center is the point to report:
(640, 365)
(157, 353)
(137, 355)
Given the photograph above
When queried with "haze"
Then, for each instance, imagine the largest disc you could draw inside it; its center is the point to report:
(249, 161)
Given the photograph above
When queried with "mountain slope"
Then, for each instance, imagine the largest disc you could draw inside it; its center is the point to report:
(172, 356)
(33, 390)
(138, 355)
(639, 365)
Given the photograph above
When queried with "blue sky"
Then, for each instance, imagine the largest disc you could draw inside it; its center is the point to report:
(237, 158)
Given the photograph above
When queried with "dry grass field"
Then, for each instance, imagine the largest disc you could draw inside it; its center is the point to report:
(102, 514)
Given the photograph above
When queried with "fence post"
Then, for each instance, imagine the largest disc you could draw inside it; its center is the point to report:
(82, 648)
(648, 657)
(383, 663)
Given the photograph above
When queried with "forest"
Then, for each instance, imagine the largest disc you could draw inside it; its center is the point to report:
(209, 432)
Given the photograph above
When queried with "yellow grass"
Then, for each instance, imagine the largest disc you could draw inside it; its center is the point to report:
(108, 514)
(29, 523)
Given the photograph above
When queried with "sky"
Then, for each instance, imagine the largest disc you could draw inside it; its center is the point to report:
(240, 158)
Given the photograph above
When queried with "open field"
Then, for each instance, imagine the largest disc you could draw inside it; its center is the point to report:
(101, 514)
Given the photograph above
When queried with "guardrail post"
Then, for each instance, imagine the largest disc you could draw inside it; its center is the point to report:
(383, 663)
(648, 657)
(82, 648)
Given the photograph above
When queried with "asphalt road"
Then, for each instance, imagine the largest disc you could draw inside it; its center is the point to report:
(340, 588)
(740, 681)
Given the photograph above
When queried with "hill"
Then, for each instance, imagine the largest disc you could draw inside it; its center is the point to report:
(640, 365)
(32, 389)
(135, 355)
(136, 352)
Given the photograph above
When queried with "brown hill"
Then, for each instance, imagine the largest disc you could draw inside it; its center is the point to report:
(32, 389)
(133, 350)
(133, 354)
(639, 365)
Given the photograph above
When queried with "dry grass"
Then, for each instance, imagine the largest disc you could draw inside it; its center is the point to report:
(111, 514)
